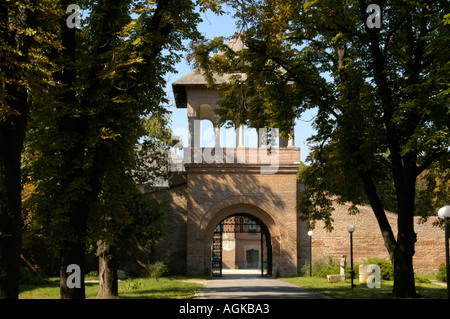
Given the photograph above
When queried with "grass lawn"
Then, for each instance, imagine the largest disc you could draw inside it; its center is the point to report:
(342, 290)
(183, 287)
(137, 288)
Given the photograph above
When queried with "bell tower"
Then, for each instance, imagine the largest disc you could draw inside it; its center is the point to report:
(256, 182)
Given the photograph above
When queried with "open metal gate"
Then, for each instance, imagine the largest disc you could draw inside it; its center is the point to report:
(266, 254)
(216, 261)
(241, 223)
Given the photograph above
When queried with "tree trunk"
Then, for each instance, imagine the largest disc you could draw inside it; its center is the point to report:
(11, 141)
(107, 270)
(404, 284)
(73, 254)
(72, 250)
(404, 172)
(377, 207)
(401, 251)
(13, 124)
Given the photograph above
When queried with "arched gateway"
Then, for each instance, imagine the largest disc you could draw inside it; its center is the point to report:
(256, 182)
(268, 200)
(242, 216)
(241, 241)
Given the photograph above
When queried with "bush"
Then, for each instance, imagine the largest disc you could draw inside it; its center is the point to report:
(93, 273)
(348, 270)
(132, 285)
(33, 277)
(157, 269)
(386, 271)
(421, 279)
(329, 270)
(442, 272)
(305, 269)
(323, 267)
(317, 266)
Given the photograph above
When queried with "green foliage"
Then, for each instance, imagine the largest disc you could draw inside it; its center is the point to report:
(442, 272)
(81, 156)
(152, 152)
(328, 63)
(139, 288)
(421, 279)
(28, 23)
(88, 95)
(93, 273)
(433, 190)
(157, 269)
(348, 270)
(318, 266)
(131, 285)
(381, 97)
(34, 277)
(343, 290)
(329, 270)
(386, 271)
(301, 172)
(149, 220)
(323, 267)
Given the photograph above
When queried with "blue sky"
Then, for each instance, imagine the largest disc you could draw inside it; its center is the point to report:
(214, 26)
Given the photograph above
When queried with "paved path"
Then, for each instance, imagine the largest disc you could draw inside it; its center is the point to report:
(248, 284)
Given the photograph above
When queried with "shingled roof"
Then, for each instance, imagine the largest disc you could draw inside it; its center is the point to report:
(196, 79)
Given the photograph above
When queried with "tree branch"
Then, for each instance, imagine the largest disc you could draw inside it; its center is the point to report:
(427, 162)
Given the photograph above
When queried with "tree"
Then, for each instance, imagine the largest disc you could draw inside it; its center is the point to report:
(119, 198)
(83, 142)
(24, 68)
(13, 112)
(148, 218)
(381, 94)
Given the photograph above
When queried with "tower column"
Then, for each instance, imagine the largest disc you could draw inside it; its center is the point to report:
(191, 123)
(291, 141)
(262, 137)
(239, 130)
(216, 130)
(194, 131)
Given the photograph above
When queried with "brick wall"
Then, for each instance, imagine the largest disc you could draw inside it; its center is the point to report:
(368, 242)
(217, 191)
(234, 192)
(172, 248)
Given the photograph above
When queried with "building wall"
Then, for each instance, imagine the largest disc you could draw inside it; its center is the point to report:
(368, 241)
(172, 248)
(228, 250)
(214, 197)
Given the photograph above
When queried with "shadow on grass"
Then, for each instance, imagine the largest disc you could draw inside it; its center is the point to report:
(360, 291)
(172, 287)
(173, 293)
(343, 290)
(50, 290)
(30, 287)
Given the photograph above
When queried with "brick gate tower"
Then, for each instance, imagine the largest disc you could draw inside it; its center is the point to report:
(222, 182)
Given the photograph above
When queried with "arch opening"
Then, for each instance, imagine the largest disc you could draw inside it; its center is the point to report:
(241, 241)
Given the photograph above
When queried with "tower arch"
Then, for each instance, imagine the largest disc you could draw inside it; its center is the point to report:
(263, 224)
(205, 111)
(278, 236)
(241, 240)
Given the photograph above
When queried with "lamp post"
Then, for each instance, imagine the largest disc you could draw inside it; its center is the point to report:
(444, 213)
(310, 234)
(351, 229)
